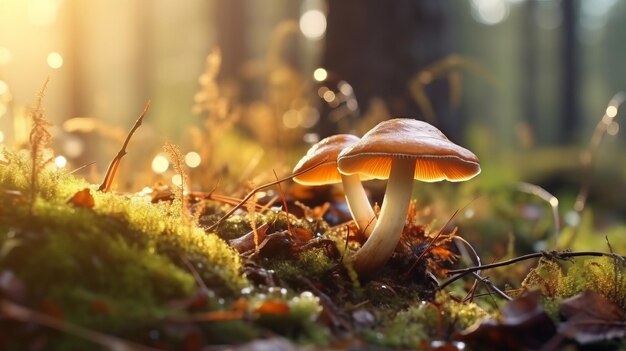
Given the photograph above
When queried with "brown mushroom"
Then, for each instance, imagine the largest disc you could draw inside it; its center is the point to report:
(327, 173)
(401, 150)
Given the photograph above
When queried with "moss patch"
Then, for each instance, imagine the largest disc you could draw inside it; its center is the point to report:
(116, 264)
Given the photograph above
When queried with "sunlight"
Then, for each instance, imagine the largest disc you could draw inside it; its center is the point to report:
(3, 87)
(5, 56)
(42, 12)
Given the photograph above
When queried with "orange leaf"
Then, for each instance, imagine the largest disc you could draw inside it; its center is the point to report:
(83, 199)
(273, 307)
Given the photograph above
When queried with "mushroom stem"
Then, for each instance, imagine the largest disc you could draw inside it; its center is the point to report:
(358, 203)
(386, 234)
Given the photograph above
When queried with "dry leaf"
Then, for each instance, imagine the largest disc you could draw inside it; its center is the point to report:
(273, 307)
(83, 199)
(524, 325)
(591, 317)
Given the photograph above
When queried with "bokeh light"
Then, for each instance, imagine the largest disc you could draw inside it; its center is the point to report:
(60, 161)
(490, 12)
(177, 180)
(611, 111)
(160, 164)
(313, 24)
(308, 117)
(291, 119)
(320, 74)
(73, 146)
(55, 60)
(1, 137)
(328, 96)
(193, 159)
(612, 129)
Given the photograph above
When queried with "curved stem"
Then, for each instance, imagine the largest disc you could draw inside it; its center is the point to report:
(358, 203)
(386, 234)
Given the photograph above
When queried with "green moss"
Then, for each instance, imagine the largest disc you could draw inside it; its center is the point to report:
(300, 323)
(461, 314)
(558, 281)
(123, 258)
(311, 263)
(239, 225)
(408, 329)
(604, 275)
(424, 321)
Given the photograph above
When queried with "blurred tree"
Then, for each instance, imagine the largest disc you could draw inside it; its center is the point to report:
(378, 46)
(570, 118)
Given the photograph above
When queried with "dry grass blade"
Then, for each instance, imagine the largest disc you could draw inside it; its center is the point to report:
(282, 196)
(110, 174)
(176, 158)
(39, 139)
(550, 199)
(22, 314)
(588, 157)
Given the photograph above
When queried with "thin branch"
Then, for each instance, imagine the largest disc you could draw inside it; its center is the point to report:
(460, 273)
(261, 187)
(110, 174)
(492, 286)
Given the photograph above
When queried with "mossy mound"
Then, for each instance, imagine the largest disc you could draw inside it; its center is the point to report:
(116, 264)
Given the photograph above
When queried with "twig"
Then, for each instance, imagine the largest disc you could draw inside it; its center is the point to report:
(19, 313)
(259, 188)
(460, 273)
(492, 286)
(110, 174)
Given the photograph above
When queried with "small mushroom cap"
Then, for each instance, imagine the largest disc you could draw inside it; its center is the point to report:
(325, 151)
(436, 157)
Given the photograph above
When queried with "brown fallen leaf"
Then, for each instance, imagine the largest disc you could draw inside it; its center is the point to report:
(591, 317)
(245, 243)
(273, 307)
(524, 325)
(83, 199)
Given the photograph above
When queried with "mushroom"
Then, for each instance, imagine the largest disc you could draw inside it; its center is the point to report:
(327, 173)
(401, 150)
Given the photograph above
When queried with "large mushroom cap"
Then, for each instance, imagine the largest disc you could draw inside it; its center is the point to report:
(324, 152)
(436, 157)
